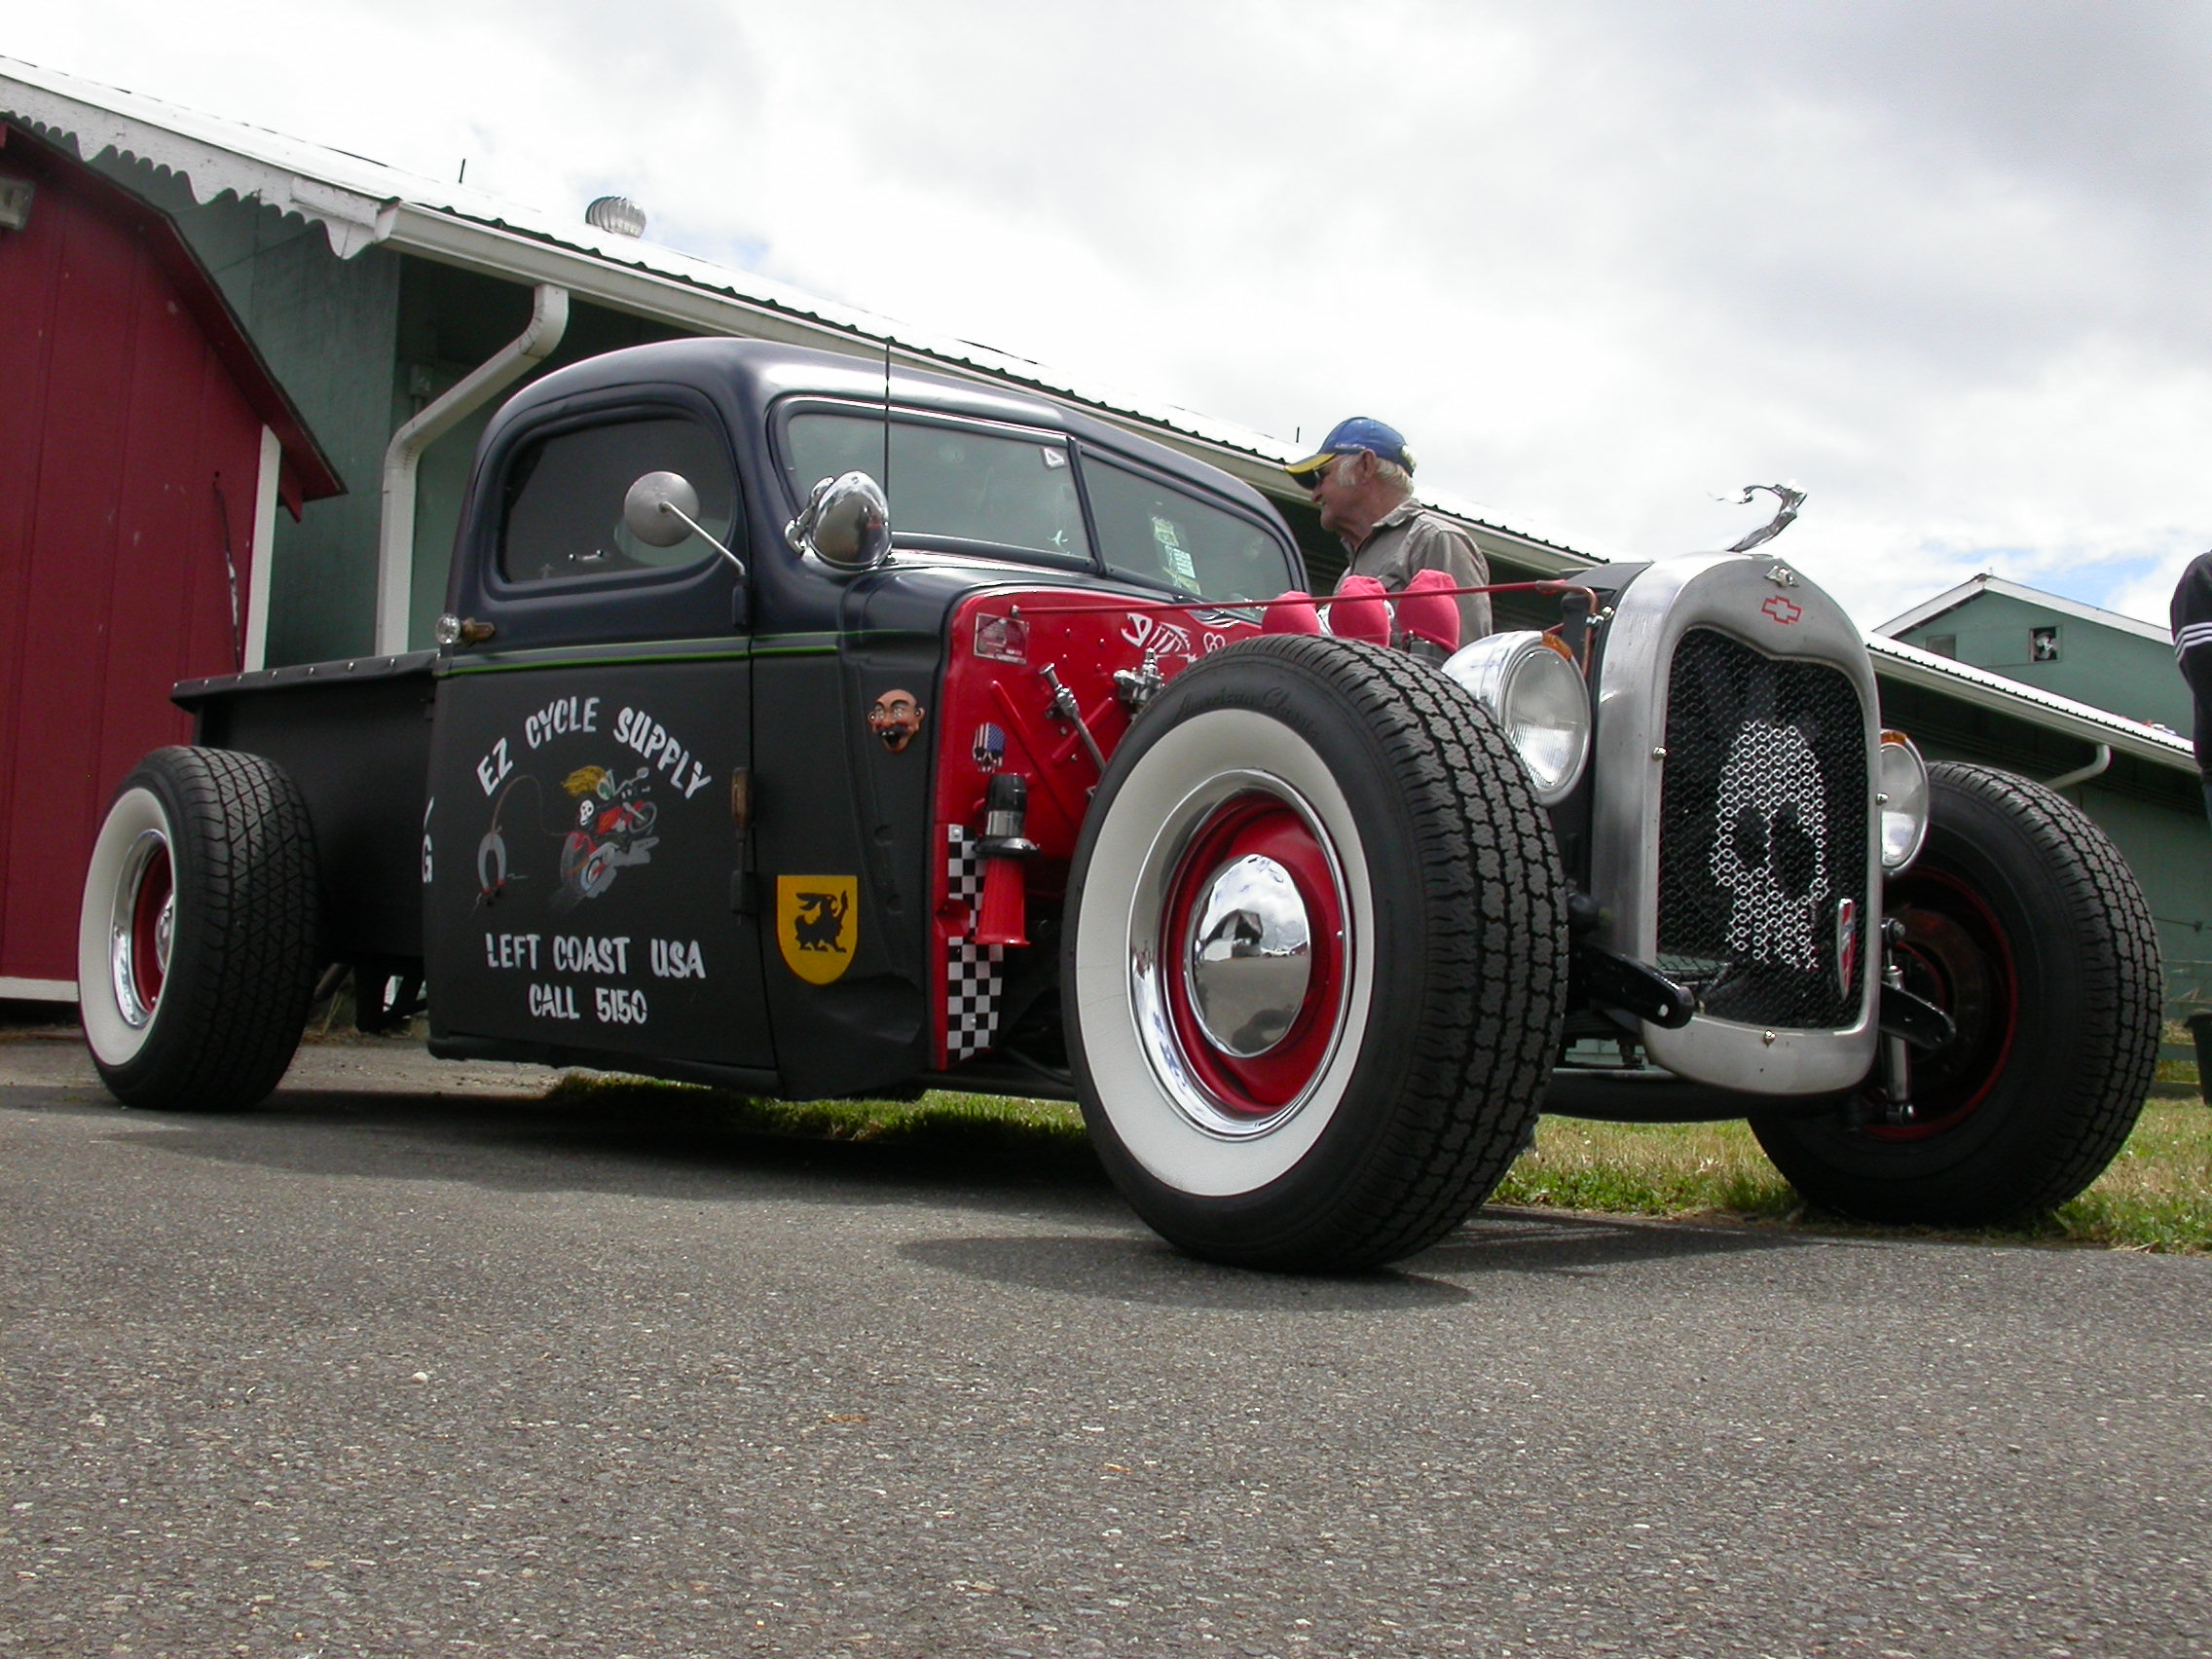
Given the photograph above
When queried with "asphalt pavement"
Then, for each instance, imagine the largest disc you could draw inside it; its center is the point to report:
(413, 1362)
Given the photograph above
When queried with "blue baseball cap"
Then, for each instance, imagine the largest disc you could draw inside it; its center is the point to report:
(1347, 437)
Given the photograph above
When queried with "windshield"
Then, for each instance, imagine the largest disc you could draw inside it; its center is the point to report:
(997, 489)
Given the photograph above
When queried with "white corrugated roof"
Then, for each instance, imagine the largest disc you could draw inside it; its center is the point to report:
(1910, 665)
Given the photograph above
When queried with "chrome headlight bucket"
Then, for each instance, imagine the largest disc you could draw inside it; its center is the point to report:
(1539, 696)
(1901, 789)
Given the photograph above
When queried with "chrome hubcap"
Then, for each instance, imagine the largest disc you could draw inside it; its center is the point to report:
(1248, 956)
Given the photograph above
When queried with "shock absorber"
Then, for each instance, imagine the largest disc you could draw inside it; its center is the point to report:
(1896, 1063)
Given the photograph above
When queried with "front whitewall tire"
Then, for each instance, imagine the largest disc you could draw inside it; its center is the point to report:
(1125, 1045)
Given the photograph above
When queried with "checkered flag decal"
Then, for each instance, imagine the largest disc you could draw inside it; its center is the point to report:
(971, 969)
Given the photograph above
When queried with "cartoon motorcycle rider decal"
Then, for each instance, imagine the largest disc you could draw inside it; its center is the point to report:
(613, 828)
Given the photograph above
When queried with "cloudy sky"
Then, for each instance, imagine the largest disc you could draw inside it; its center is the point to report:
(1942, 263)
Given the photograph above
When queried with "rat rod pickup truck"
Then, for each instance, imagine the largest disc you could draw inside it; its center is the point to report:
(1051, 791)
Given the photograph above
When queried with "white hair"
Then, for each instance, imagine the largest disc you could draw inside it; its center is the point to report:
(1394, 475)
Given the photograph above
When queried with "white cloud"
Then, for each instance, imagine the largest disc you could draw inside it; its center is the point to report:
(1937, 262)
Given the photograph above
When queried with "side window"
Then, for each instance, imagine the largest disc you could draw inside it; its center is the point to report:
(562, 506)
(1155, 532)
(988, 489)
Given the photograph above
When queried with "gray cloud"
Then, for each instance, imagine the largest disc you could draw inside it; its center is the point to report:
(1940, 262)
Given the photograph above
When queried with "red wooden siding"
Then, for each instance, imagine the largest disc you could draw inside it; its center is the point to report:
(118, 417)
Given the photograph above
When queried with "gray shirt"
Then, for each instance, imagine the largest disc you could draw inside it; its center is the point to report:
(1409, 540)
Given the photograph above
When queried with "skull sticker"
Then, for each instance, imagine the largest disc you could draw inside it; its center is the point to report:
(1770, 846)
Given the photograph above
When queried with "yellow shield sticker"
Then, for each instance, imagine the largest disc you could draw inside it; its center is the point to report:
(816, 924)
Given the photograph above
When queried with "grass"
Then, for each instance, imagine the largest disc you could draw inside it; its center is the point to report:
(1663, 1169)
(2156, 1195)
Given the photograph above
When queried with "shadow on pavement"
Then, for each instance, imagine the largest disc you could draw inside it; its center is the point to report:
(519, 1144)
(1145, 1270)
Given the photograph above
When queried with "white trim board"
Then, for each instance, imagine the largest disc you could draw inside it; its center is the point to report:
(37, 990)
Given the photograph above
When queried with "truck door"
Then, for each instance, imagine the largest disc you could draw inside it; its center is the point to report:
(585, 849)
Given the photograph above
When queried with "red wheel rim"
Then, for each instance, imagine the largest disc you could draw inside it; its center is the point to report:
(1264, 1084)
(1957, 955)
(151, 920)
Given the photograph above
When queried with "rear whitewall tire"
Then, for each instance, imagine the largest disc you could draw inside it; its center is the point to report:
(235, 938)
(116, 1023)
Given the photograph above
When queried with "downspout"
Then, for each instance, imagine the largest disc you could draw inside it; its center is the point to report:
(396, 535)
(2083, 774)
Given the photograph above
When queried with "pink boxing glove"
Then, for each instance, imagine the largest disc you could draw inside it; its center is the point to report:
(1292, 612)
(1361, 610)
(1427, 614)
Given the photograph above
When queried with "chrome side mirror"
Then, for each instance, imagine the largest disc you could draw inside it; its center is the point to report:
(847, 524)
(661, 509)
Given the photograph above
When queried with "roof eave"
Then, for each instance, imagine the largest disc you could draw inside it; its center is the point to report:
(1910, 665)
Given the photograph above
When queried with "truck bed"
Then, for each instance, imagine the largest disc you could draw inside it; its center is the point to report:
(355, 737)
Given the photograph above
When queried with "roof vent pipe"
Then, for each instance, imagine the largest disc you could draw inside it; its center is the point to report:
(617, 215)
(395, 537)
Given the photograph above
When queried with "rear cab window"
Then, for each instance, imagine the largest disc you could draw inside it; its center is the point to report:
(563, 492)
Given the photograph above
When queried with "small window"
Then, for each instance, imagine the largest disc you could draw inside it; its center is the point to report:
(987, 489)
(1943, 645)
(2042, 644)
(563, 498)
(1153, 532)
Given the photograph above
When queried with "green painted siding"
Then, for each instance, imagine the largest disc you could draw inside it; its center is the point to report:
(2171, 854)
(450, 320)
(2107, 668)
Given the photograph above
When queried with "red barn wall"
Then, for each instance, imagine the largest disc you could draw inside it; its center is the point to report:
(125, 446)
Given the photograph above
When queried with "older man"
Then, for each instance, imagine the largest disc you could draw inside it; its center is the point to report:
(1362, 479)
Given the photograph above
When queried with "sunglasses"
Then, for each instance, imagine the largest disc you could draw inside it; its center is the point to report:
(1320, 475)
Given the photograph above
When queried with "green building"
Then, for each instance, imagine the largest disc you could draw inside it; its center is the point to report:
(2135, 777)
(397, 311)
(2055, 644)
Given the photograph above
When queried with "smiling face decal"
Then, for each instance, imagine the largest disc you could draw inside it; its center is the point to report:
(895, 717)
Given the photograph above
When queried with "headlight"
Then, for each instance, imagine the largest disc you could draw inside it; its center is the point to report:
(1901, 781)
(1540, 700)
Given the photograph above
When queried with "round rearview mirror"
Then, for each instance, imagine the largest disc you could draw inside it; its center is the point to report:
(846, 523)
(660, 508)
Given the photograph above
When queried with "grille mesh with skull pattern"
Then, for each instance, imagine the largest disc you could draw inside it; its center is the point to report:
(1762, 836)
